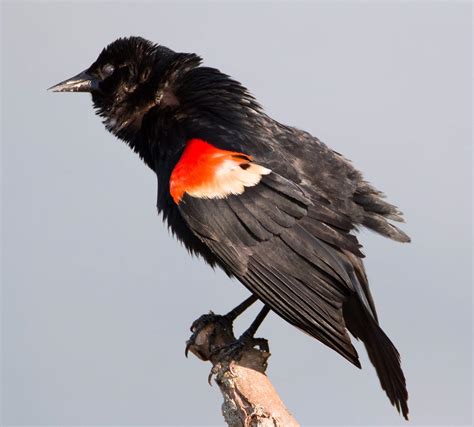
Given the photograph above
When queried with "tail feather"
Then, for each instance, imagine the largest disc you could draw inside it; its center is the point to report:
(386, 359)
(382, 353)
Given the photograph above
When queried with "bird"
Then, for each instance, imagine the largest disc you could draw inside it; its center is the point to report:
(269, 204)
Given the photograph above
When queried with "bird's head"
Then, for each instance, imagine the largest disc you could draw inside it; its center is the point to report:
(126, 80)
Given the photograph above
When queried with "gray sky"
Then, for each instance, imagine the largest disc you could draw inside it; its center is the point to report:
(97, 298)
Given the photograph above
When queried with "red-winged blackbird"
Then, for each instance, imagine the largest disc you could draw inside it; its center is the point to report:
(268, 203)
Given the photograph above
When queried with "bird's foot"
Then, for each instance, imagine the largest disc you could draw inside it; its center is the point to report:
(235, 349)
(213, 339)
(211, 332)
(243, 352)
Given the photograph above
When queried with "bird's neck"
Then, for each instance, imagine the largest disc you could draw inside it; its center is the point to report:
(125, 120)
(188, 102)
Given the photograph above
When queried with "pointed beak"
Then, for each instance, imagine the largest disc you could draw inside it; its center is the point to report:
(83, 82)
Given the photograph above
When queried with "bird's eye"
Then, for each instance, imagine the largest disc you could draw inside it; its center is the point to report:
(108, 70)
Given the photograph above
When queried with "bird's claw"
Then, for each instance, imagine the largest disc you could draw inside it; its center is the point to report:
(235, 349)
(207, 334)
(213, 339)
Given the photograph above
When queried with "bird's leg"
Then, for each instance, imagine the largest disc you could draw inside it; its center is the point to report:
(216, 329)
(246, 340)
(250, 332)
(237, 311)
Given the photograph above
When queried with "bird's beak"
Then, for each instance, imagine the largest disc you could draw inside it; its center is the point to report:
(83, 82)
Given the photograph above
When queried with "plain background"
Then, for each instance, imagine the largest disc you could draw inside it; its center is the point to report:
(97, 297)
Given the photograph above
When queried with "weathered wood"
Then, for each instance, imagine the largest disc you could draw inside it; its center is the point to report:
(250, 400)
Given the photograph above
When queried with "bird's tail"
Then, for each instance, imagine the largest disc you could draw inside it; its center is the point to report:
(386, 359)
(383, 355)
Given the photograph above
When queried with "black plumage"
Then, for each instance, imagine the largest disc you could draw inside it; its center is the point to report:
(288, 238)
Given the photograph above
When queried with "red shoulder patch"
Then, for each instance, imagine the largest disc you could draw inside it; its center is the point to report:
(205, 171)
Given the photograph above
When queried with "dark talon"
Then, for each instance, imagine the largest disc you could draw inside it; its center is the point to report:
(213, 337)
(186, 350)
(211, 374)
(235, 349)
(207, 333)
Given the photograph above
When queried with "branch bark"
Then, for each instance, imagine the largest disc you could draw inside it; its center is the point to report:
(250, 400)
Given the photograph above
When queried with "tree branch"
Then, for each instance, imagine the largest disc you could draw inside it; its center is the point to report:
(250, 400)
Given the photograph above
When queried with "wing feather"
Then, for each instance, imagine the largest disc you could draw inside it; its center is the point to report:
(266, 238)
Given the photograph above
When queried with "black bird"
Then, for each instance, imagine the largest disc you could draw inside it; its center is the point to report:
(270, 204)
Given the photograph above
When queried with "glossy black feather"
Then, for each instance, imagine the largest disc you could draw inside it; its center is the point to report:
(290, 239)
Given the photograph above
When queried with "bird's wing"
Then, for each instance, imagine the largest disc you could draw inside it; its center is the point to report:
(286, 249)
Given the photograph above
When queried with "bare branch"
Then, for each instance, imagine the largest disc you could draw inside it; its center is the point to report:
(250, 400)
